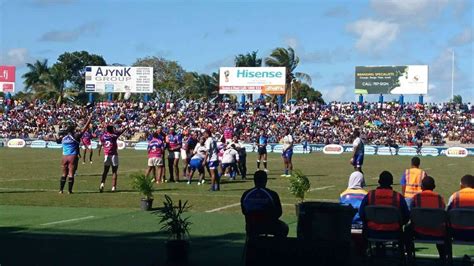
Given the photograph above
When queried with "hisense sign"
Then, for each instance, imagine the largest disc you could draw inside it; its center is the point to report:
(238, 80)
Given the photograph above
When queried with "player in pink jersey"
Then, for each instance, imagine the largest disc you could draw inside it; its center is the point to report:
(155, 149)
(87, 144)
(228, 133)
(173, 142)
(109, 144)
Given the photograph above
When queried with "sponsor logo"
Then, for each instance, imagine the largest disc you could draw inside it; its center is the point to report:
(298, 149)
(386, 151)
(53, 145)
(348, 148)
(333, 149)
(278, 148)
(16, 143)
(245, 73)
(141, 146)
(121, 145)
(369, 150)
(316, 148)
(410, 151)
(38, 144)
(248, 147)
(429, 152)
(456, 152)
(91, 86)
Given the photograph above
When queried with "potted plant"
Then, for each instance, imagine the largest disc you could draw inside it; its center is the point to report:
(299, 185)
(144, 185)
(177, 226)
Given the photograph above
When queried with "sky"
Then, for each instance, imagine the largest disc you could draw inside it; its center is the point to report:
(330, 37)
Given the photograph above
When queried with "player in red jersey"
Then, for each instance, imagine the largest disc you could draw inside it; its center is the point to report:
(155, 149)
(109, 144)
(87, 144)
(228, 133)
(173, 142)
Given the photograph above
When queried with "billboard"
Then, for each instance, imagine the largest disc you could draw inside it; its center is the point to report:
(7, 78)
(109, 79)
(266, 80)
(411, 79)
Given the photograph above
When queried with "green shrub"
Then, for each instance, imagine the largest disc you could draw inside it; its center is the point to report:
(299, 184)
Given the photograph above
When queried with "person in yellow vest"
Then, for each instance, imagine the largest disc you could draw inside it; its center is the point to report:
(464, 198)
(411, 180)
(427, 198)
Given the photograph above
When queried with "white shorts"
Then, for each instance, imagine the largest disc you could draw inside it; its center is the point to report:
(185, 155)
(173, 155)
(111, 160)
(87, 146)
(156, 161)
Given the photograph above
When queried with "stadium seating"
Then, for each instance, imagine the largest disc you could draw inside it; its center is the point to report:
(384, 215)
(431, 219)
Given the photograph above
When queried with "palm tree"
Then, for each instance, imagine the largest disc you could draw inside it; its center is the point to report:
(281, 57)
(35, 78)
(248, 60)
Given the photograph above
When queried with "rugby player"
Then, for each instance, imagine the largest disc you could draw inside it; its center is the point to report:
(173, 142)
(287, 154)
(109, 143)
(87, 143)
(261, 144)
(155, 149)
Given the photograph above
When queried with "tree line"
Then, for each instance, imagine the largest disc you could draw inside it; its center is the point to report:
(64, 80)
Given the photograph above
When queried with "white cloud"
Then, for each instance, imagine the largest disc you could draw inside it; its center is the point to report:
(69, 35)
(373, 35)
(337, 93)
(409, 11)
(16, 56)
(291, 42)
(464, 37)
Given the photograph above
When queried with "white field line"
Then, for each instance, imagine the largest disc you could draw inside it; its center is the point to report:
(156, 192)
(223, 208)
(321, 188)
(68, 221)
(451, 164)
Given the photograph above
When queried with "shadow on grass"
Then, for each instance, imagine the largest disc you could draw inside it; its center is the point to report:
(52, 247)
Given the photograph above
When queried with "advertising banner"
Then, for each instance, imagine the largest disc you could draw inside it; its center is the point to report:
(429, 152)
(7, 78)
(456, 152)
(238, 80)
(53, 145)
(141, 146)
(16, 143)
(38, 144)
(110, 79)
(121, 145)
(278, 148)
(408, 151)
(386, 151)
(411, 79)
(298, 149)
(248, 147)
(370, 150)
(333, 149)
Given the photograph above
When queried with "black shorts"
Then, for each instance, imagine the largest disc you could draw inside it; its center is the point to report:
(262, 150)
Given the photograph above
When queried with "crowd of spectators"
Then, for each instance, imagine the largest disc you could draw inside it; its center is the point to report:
(311, 122)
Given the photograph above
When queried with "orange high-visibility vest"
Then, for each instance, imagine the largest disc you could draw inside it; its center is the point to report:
(429, 199)
(464, 198)
(383, 197)
(413, 177)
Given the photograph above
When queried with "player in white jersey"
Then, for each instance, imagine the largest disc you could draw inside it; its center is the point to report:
(287, 154)
(212, 160)
(229, 161)
(198, 161)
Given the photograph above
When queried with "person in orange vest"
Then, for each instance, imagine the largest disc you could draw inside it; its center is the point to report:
(411, 180)
(464, 198)
(427, 198)
(384, 196)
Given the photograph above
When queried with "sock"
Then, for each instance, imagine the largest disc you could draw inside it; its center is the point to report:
(70, 183)
(258, 164)
(114, 181)
(62, 182)
(265, 164)
(286, 171)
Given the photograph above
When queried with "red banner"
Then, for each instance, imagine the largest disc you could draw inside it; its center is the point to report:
(7, 78)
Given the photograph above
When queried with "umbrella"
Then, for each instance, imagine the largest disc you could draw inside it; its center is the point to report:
(292, 101)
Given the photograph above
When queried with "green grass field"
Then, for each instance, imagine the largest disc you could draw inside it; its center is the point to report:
(109, 228)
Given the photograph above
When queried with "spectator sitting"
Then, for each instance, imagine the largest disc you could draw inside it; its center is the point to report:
(464, 198)
(427, 199)
(262, 209)
(384, 196)
(353, 195)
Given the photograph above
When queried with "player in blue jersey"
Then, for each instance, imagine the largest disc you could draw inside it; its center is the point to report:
(70, 140)
(261, 144)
